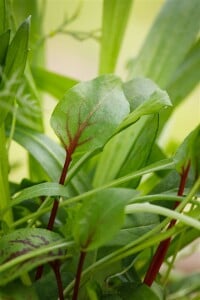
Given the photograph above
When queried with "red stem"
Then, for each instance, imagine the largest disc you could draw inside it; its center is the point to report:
(78, 275)
(161, 251)
(56, 268)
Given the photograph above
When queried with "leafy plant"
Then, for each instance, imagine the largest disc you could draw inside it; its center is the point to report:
(104, 208)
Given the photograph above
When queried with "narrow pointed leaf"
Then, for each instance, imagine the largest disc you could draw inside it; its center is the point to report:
(189, 151)
(14, 65)
(100, 217)
(24, 241)
(4, 41)
(115, 18)
(90, 113)
(129, 155)
(52, 83)
(167, 42)
(3, 16)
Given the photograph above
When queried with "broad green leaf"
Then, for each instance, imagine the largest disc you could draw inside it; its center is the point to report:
(89, 114)
(115, 18)
(50, 155)
(189, 151)
(21, 242)
(135, 226)
(121, 158)
(167, 42)
(4, 41)
(14, 66)
(145, 97)
(52, 83)
(100, 217)
(141, 292)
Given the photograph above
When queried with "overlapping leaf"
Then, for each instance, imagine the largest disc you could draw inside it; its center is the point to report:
(90, 113)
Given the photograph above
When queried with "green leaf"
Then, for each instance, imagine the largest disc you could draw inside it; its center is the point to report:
(3, 16)
(90, 113)
(4, 41)
(100, 217)
(50, 155)
(14, 66)
(52, 83)
(129, 155)
(135, 226)
(17, 291)
(145, 97)
(167, 42)
(115, 18)
(141, 292)
(186, 76)
(189, 151)
(22, 242)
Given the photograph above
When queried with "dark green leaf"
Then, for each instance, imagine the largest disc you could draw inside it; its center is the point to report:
(135, 226)
(21, 242)
(167, 42)
(115, 18)
(141, 292)
(100, 217)
(90, 113)
(4, 41)
(17, 291)
(52, 83)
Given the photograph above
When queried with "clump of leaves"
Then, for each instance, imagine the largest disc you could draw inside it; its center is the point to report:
(88, 212)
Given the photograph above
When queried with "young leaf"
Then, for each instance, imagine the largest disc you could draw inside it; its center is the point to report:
(15, 64)
(115, 18)
(90, 113)
(52, 83)
(145, 97)
(100, 217)
(4, 41)
(167, 42)
(21, 242)
(189, 151)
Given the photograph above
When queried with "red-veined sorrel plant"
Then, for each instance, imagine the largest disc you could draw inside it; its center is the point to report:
(104, 207)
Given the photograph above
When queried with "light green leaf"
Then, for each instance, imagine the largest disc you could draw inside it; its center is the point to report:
(168, 42)
(189, 151)
(145, 97)
(3, 16)
(115, 18)
(90, 113)
(52, 83)
(4, 41)
(121, 158)
(50, 155)
(14, 66)
(21, 242)
(100, 217)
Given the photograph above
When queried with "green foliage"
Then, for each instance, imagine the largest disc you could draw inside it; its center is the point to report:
(95, 206)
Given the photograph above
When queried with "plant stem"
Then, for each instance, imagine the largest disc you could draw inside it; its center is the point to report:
(78, 275)
(56, 268)
(161, 251)
(4, 185)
